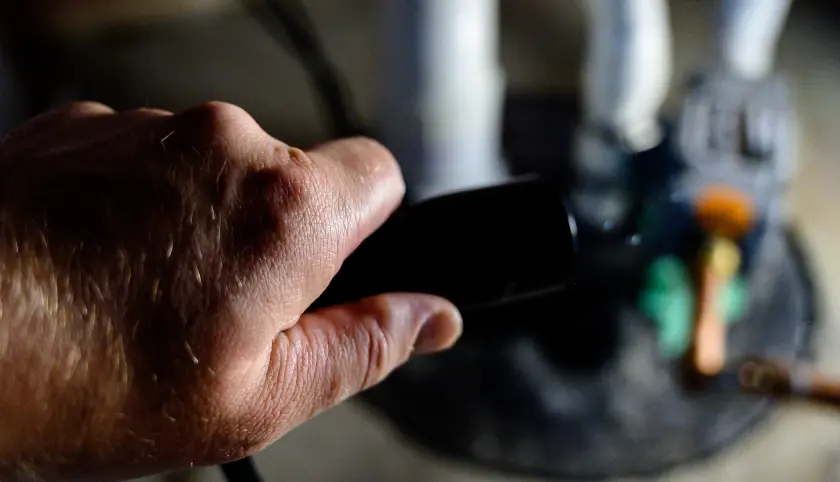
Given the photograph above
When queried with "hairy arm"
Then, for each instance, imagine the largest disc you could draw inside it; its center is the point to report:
(91, 295)
(154, 274)
(51, 336)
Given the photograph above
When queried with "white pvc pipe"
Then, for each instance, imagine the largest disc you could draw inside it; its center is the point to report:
(748, 33)
(627, 71)
(443, 93)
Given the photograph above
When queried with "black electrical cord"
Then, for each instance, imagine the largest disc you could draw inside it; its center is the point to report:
(290, 23)
(241, 471)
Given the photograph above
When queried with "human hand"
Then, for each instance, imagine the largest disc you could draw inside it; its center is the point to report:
(154, 274)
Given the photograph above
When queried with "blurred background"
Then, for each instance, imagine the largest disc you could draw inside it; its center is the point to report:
(175, 53)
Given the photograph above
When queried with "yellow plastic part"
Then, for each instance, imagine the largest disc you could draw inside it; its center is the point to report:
(723, 258)
(719, 265)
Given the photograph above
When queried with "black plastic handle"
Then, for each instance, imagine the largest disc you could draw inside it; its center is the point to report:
(480, 249)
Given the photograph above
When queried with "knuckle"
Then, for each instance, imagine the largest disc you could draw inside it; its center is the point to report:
(272, 213)
(278, 194)
(219, 113)
(377, 354)
(376, 343)
(214, 124)
(292, 157)
(352, 360)
(60, 115)
(292, 184)
(328, 375)
(301, 180)
(310, 376)
(85, 107)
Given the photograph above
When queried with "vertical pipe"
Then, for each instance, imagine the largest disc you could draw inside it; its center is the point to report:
(443, 93)
(627, 70)
(626, 76)
(748, 32)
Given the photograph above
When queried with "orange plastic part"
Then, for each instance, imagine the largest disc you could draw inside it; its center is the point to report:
(725, 214)
(724, 211)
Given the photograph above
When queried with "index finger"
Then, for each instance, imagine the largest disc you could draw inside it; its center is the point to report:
(324, 203)
(359, 186)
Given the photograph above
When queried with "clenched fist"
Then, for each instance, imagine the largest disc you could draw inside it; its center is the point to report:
(154, 274)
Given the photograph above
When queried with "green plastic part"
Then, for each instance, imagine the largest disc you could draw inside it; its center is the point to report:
(734, 300)
(668, 300)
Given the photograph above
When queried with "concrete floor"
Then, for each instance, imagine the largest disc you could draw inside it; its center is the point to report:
(223, 56)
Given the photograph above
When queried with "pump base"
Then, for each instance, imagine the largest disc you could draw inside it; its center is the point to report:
(589, 397)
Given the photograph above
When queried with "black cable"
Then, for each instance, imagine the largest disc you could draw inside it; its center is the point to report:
(289, 22)
(297, 29)
(241, 471)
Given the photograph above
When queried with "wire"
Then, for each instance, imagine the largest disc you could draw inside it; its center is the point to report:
(289, 22)
(241, 471)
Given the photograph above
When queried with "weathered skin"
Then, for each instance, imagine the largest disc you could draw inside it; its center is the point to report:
(154, 269)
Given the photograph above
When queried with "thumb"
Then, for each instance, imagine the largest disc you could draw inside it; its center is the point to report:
(334, 353)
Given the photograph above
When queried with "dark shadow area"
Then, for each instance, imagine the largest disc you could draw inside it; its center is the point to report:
(537, 133)
(589, 336)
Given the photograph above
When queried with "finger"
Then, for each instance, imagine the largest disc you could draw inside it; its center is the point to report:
(57, 121)
(220, 125)
(335, 353)
(75, 110)
(324, 202)
(67, 117)
(298, 215)
(368, 187)
(74, 125)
